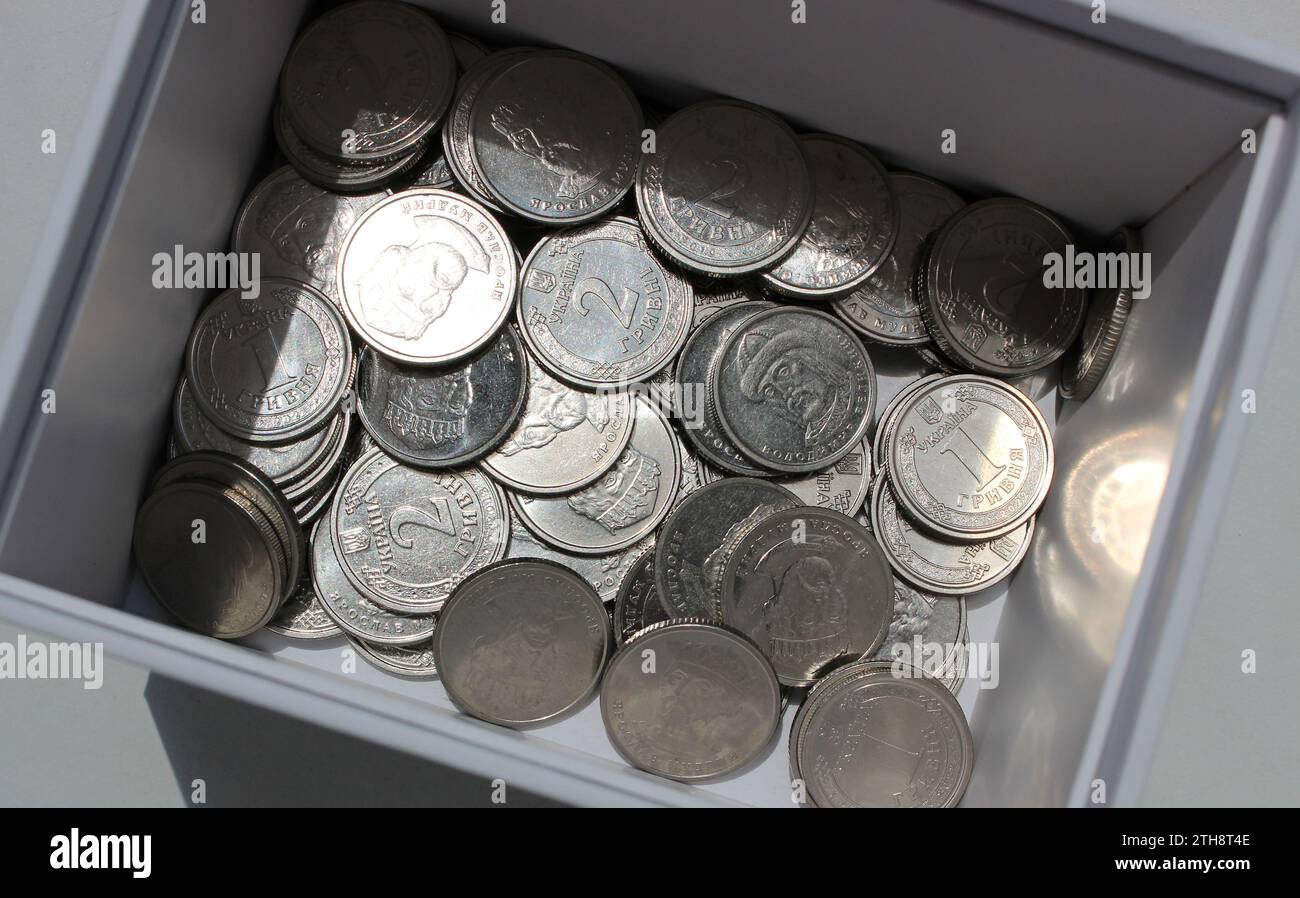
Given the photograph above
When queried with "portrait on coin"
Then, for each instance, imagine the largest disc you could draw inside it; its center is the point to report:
(698, 713)
(553, 409)
(306, 225)
(428, 411)
(624, 496)
(549, 140)
(787, 373)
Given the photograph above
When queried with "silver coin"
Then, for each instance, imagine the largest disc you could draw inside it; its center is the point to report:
(621, 508)
(694, 377)
(271, 368)
(840, 487)
(696, 530)
(604, 573)
(637, 604)
(970, 458)
(352, 612)
(433, 170)
(599, 309)
(984, 300)
(297, 227)
(455, 134)
(811, 587)
(565, 439)
(444, 417)
(522, 643)
(727, 190)
(411, 661)
(331, 174)
(853, 225)
(710, 705)
(229, 584)
(926, 631)
(467, 50)
(715, 296)
(368, 80)
(936, 360)
(937, 566)
(311, 506)
(427, 276)
(866, 738)
(405, 536)
(795, 389)
(555, 136)
(1086, 362)
(326, 467)
(887, 418)
(302, 616)
(884, 308)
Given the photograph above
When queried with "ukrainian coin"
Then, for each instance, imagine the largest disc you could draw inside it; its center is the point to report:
(412, 661)
(327, 465)
(936, 360)
(444, 417)
(970, 458)
(598, 308)
(604, 573)
(297, 228)
(270, 368)
(455, 135)
(555, 136)
(945, 568)
(927, 632)
(521, 643)
(867, 738)
(302, 616)
(881, 444)
(984, 300)
(696, 530)
(625, 505)
(811, 587)
(467, 50)
(694, 379)
(310, 507)
(405, 536)
(427, 276)
(955, 676)
(885, 307)
(840, 487)
(565, 439)
(709, 708)
(853, 225)
(720, 295)
(368, 80)
(228, 585)
(728, 190)
(330, 173)
(695, 473)
(433, 170)
(1086, 362)
(795, 389)
(352, 612)
(637, 604)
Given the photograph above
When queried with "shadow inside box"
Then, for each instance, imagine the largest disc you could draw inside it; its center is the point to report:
(248, 756)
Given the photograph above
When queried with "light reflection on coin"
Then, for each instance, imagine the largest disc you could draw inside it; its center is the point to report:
(938, 622)
(637, 604)
(332, 174)
(841, 487)
(1086, 362)
(411, 661)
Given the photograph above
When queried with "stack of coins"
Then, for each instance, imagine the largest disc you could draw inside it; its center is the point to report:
(615, 401)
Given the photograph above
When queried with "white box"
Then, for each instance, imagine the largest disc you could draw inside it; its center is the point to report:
(1138, 120)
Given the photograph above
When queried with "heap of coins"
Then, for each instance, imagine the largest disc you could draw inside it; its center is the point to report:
(520, 371)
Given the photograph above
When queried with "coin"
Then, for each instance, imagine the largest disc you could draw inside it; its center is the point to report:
(884, 308)
(694, 379)
(937, 566)
(840, 487)
(466, 49)
(405, 536)
(984, 299)
(330, 173)
(326, 466)
(727, 190)
(443, 417)
(718, 295)
(637, 604)
(227, 584)
(882, 438)
(271, 368)
(927, 632)
(625, 505)
(853, 226)
(695, 531)
(1086, 362)
(411, 661)
(565, 439)
(604, 573)
(368, 80)
(795, 389)
(598, 308)
(455, 134)
(297, 228)
(555, 136)
(521, 643)
(811, 587)
(427, 276)
(352, 612)
(708, 706)
(302, 616)
(433, 170)
(914, 748)
(970, 458)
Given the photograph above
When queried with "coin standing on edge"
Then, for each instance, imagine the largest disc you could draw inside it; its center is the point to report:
(637, 604)
(709, 708)
(1088, 359)
(521, 643)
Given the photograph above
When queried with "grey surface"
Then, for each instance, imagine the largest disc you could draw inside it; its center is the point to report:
(1229, 737)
